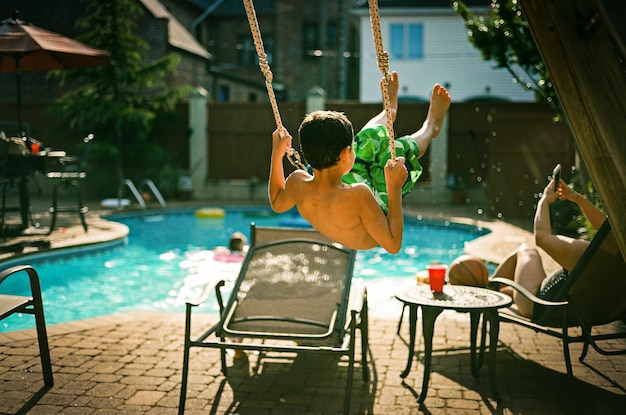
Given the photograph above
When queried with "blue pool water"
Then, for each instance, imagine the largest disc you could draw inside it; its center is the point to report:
(169, 258)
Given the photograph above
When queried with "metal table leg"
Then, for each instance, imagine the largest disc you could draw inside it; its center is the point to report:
(491, 315)
(412, 329)
(429, 315)
(474, 322)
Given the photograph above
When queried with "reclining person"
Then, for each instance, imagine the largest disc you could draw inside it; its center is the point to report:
(524, 265)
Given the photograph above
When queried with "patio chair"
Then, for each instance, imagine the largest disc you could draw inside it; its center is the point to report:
(13, 304)
(13, 128)
(595, 295)
(11, 175)
(69, 172)
(290, 296)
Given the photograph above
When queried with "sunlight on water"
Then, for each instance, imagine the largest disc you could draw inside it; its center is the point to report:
(169, 260)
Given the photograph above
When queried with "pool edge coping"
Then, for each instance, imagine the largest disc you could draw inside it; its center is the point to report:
(114, 233)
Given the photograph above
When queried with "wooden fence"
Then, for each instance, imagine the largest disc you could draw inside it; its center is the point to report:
(509, 146)
(512, 147)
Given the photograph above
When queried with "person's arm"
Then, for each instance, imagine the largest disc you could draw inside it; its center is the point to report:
(542, 223)
(564, 250)
(278, 196)
(395, 215)
(381, 118)
(387, 231)
(595, 216)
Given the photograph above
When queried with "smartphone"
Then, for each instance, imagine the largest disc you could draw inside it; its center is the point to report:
(556, 174)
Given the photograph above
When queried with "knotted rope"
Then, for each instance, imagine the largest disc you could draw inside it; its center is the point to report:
(292, 155)
(382, 58)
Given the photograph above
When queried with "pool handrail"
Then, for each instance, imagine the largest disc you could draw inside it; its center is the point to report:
(137, 195)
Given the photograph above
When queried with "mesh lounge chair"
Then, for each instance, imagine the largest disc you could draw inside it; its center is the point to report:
(595, 294)
(291, 296)
(11, 180)
(13, 304)
(260, 235)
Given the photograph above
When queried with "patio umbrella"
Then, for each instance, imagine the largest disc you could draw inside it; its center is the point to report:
(25, 47)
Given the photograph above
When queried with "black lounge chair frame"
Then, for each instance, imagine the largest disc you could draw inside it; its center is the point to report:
(12, 304)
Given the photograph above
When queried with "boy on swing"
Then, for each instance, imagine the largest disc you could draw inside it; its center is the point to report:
(354, 194)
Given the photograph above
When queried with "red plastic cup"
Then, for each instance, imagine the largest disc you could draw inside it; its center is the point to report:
(34, 148)
(436, 276)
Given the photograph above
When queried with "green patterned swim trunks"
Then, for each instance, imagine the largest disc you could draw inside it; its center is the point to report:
(371, 146)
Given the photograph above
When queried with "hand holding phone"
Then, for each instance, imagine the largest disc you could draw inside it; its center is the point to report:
(556, 175)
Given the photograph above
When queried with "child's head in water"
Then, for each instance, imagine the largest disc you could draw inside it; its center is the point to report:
(237, 242)
(323, 136)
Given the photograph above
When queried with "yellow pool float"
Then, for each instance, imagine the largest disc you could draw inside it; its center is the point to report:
(210, 213)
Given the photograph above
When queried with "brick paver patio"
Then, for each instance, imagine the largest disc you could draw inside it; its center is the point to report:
(131, 364)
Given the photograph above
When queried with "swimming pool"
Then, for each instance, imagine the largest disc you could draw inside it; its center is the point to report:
(168, 259)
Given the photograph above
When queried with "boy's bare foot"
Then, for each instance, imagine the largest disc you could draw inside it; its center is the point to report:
(439, 104)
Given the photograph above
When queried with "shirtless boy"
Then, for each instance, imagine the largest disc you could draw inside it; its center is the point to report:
(347, 201)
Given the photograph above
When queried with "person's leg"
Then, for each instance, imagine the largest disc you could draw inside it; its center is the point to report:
(529, 273)
(371, 146)
(506, 269)
(439, 104)
(564, 250)
(381, 118)
(372, 150)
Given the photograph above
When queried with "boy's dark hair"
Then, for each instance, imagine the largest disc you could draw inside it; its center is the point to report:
(323, 135)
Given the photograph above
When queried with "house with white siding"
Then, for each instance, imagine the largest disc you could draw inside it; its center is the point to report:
(427, 44)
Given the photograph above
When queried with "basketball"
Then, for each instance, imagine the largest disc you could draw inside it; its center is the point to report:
(468, 270)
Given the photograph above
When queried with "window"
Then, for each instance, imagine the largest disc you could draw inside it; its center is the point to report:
(407, 41)
(246, 51)
(246, 54)
(224, 93)
(331, 36)
(312, 40)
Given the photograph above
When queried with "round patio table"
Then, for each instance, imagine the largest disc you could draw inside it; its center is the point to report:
(473, 300)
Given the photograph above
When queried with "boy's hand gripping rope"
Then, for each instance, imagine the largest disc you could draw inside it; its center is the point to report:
(382, 58)
(292, 155)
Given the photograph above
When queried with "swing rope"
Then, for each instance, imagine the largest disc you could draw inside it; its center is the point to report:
(292, 155)
(382, 58)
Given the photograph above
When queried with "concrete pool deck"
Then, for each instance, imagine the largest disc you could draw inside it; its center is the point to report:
(130, 363)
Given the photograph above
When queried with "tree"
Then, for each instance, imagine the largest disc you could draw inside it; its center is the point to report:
(120, 102)
(503, 36)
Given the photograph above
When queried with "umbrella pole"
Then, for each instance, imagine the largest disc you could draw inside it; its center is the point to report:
(19, 95)
(19, 104)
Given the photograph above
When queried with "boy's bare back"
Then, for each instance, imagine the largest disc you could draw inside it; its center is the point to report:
(347, 214)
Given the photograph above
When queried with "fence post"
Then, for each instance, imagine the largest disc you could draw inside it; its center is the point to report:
(198, 140)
